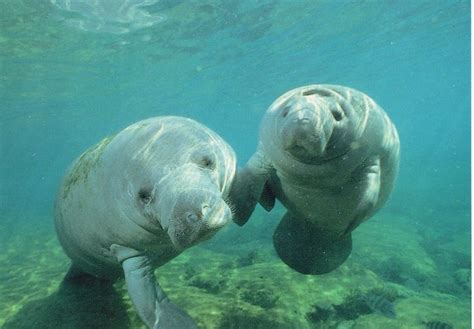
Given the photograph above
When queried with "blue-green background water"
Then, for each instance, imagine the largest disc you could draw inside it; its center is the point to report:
(63, 88)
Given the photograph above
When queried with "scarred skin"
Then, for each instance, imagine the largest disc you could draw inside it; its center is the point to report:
(330, 155)
(138, 199)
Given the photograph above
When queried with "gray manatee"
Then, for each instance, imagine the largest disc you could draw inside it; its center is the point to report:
(330, 155)
(136, 200)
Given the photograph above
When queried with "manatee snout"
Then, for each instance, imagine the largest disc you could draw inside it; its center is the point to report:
(197, 214)
(200, 206)
(304, 133)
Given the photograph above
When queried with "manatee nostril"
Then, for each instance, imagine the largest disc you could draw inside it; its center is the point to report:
(310, 92)
(320, 92)
(205, 210)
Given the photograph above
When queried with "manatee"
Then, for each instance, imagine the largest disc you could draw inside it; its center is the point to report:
(138, 199)
(330, 155)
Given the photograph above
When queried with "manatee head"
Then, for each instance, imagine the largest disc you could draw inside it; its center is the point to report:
(309, 125)
(178, 179)
(191, 206)
(305, 128)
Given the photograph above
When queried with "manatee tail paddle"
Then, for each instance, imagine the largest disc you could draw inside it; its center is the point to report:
(309, 249)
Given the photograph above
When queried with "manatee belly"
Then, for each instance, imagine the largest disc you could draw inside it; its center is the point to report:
(328, 207)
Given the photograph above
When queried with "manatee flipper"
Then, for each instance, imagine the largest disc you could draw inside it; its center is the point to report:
(369, 182)
(248, 187)
(307, 248)
(152, 305)
(267, 198)
(169, 315)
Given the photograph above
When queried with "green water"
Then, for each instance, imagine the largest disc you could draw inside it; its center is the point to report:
(70, 76)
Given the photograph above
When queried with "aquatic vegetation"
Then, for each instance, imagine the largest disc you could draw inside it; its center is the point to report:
(392, 270)
(352, 307)
(358, 303)
(449, 251)
(379, 304)
(259, 295)
(237, 318)
(320, 313)
(85, 163)
(386, 291)
(211, 285)
(248, 259)
(265, 293)
(189, 272)
(463, 278)
(383, 256)
(437, 325)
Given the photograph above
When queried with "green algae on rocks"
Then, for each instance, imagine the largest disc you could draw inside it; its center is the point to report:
(85, 163)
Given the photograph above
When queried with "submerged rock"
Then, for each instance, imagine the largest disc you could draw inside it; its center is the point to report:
(211, 285)
(259, 295)
(379, 304)
(238, 319)
(437, 325)
(320, 313)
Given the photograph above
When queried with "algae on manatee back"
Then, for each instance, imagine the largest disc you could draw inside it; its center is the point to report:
(84, 164)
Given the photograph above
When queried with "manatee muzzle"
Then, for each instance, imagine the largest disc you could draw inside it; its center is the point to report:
(302, 135)
(196, 216)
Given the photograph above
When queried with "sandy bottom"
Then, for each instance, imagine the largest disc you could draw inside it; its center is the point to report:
(237, 281)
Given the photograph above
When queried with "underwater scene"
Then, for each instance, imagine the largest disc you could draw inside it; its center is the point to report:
(321, 178)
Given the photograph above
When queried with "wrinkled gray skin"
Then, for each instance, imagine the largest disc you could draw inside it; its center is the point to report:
(330, 154)
(136, 200)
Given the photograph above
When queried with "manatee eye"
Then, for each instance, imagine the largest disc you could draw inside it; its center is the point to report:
(207, 162)
(145, 195)
(285, 112)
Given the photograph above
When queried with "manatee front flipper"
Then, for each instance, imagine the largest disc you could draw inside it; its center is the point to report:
(309, 249)
(368, 181)
(152, 305)
(248, 188)
(267, 198)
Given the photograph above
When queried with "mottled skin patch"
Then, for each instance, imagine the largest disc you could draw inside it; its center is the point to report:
(86, 162)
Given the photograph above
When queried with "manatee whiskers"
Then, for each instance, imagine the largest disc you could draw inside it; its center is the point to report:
(231, 206)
